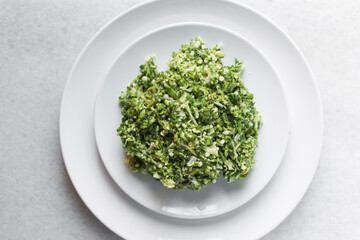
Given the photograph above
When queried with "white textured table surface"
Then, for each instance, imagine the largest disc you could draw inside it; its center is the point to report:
(39, 42)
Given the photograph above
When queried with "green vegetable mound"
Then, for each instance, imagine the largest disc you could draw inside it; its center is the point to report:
(189, 124)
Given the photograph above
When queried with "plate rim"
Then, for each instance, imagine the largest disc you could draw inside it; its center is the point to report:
(286, 120)
(256, 12)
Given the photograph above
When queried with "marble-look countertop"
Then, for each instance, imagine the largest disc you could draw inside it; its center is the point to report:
(39, 42)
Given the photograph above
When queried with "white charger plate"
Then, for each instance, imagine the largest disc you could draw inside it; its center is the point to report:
(127, 218)
(259, 78)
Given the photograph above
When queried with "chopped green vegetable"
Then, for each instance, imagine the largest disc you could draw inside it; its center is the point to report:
(189, 124)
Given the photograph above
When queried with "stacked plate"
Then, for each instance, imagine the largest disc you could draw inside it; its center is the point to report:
(137, 207)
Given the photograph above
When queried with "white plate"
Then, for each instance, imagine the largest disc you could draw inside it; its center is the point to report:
(218, 198)
(129, 219)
